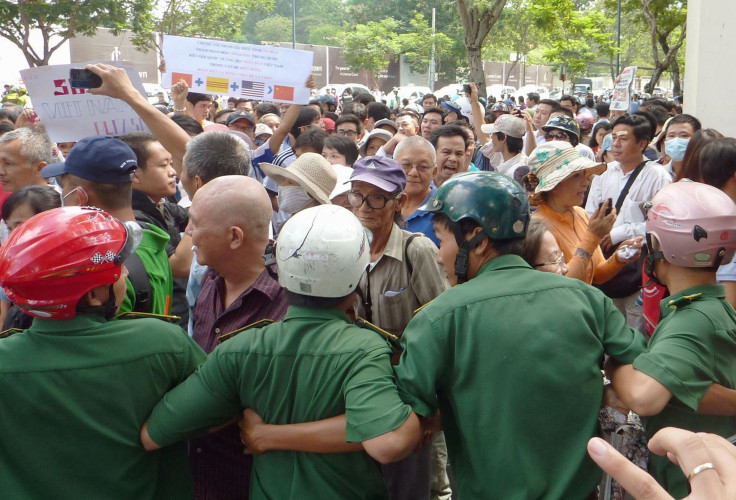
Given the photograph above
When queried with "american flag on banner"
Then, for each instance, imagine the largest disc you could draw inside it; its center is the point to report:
(252, 89)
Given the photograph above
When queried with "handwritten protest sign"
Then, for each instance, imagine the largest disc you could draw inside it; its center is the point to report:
(258, 72)
(621, 99)
(72, 114)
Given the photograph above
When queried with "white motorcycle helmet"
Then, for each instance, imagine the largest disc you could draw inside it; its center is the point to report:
(322, 251)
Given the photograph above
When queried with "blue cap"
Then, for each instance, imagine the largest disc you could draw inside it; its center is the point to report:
(384, 173)
(606, 146)
(99, 158)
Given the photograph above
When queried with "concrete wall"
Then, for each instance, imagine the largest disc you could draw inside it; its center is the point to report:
(709, 68)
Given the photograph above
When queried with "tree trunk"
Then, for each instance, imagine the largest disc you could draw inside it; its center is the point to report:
(509, 70)
(477, 74)
(477, 22)
(676, 90)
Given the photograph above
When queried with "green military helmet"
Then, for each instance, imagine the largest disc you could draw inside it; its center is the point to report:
(493, 200)
(564, 123)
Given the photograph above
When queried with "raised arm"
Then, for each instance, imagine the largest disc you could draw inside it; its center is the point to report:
(116, 84)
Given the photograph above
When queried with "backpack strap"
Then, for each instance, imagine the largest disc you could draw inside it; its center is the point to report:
(406, 253)
(141, 285)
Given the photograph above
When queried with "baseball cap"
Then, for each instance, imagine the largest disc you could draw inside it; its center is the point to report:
(98, 158)
(507, 124)
(384, 173)
(240, 115)
(262, 128)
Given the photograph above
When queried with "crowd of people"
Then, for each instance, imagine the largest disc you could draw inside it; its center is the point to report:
(345, 300)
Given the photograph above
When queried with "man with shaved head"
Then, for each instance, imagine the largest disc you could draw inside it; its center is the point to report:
(229, 222)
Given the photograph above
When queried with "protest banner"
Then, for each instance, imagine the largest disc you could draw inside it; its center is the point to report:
(259, 72)
(70, 114)
(621, 99)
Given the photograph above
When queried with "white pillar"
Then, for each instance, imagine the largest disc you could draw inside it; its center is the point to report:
(709, 70)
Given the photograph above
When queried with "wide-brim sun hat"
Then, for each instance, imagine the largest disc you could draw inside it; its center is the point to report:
(311, 171)
(553, 162)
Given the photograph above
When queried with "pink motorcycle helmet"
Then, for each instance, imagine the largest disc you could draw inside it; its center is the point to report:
(694, 223)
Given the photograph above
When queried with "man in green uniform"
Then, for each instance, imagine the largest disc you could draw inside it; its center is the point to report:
(315, 364)
(76, 386)
(511, 356)
(98, 172)
(690, 231)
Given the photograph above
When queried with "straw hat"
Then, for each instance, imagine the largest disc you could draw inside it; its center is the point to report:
(310, 171)
(553, 162)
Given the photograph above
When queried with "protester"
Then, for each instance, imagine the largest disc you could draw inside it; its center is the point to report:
(307, 182)
(562, 177)
(340, 150)
(541, 250)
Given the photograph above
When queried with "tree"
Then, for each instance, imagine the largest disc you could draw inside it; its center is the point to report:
(416, 46)
(576, 37)
(518, 31)
(372, 46)
(60, 20)
(274, 29)
(212, 18)
(478, 17)
(667, 21)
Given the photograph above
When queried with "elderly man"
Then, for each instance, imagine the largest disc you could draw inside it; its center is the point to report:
(229, 222)
(418, 159)
(23, 153)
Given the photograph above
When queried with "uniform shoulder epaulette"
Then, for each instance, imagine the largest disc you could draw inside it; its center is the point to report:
(138, 315)
(392, 339)
(422, 307)
(9, 332)
(258, 324)
(683, 301)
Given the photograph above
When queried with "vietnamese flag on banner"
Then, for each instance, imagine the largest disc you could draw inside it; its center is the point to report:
(177, 77)
(283, 93)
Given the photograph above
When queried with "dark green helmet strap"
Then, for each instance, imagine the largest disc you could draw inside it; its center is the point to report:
(461, 260)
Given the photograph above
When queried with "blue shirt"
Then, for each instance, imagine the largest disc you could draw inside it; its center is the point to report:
(421, 221)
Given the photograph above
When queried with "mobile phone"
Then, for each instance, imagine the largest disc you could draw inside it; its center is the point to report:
(466, 88)
(80, 78)
(610, 205)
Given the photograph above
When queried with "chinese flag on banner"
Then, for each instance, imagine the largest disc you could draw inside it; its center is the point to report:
(177, 77)
(283, 93)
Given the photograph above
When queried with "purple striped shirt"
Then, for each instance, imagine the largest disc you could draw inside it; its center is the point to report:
(220, 470)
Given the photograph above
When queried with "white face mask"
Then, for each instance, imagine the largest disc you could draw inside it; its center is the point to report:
(293, 199)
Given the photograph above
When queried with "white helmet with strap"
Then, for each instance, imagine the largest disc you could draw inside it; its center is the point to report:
(322, 252)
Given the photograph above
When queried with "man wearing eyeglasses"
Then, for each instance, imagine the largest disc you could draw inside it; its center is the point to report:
(349, 126)
(417, 157)
(402, 277)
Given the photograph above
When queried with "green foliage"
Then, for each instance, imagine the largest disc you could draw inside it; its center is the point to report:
(212, 18)
(576, 38)
(60, 20)
(372, 46)
(416, 46)
(274, 29)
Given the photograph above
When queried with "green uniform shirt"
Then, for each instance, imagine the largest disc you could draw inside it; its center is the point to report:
(512, 359)
(75, 395)
(312, 365)
(693, 347)
(152, 252)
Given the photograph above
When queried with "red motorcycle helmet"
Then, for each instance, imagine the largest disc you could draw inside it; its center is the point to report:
(54, 258)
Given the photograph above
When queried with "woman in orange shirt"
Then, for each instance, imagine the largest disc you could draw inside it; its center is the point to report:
(561, 177)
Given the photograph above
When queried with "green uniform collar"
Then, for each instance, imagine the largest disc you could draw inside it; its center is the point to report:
(507, 261)
(78, 325)
(298, 312)
(685, 297)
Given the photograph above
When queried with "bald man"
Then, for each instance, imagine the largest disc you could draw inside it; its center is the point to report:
(229, 221)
